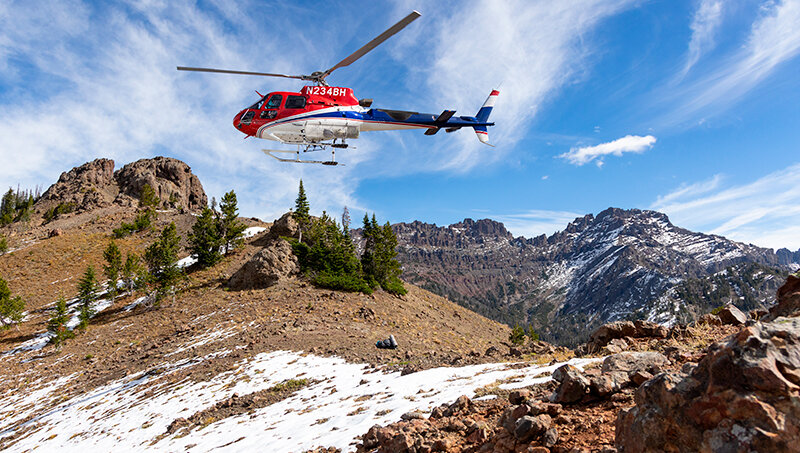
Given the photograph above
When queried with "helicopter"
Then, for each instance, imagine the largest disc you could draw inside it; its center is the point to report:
(320, 116)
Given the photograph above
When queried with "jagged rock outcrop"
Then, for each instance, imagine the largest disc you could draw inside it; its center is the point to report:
(86, 187)
(274, 262)
(95, 185)
(618, 265)
(173, 182)
(619, 330)
(743, 396)
(788, 299)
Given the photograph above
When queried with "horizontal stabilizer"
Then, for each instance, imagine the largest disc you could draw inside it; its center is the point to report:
(432, 131)
(452, 129)
(445, 116)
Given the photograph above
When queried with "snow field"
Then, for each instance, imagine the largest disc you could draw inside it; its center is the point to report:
(134, 412)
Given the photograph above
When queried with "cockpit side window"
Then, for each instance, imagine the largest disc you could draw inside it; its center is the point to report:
(274, 101)
(295, 102)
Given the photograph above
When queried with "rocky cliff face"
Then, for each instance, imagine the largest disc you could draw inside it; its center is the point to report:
(95, 185)
(621, 264)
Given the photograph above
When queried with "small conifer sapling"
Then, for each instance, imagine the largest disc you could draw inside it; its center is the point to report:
(87, 295)
(11, 307)
(57, 324)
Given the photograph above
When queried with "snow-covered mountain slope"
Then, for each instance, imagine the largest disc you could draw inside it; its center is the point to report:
(342, 402)
(621, 264)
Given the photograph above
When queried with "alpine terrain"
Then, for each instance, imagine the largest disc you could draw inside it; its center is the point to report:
(619, 265)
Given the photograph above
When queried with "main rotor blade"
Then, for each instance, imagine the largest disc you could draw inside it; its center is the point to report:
(227, 71)
(375, 42)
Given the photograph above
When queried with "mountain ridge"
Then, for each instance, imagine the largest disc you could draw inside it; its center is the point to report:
(619, 264)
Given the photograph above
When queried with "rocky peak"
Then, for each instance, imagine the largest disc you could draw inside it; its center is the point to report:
(95, 185)
(172, 180)
(86, 187)
(482, 227)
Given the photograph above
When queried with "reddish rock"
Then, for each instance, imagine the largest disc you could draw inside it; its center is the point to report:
(573, 385)
(788, 303)
(732, 315)
(743, 396)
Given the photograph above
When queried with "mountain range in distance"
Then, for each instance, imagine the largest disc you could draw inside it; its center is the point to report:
(619, 265)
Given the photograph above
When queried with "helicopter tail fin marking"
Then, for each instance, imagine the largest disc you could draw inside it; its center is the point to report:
(483, 116)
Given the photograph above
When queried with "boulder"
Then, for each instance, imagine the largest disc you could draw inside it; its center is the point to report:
(573, 385)
(732, 315)
(618, 330)
(528, 428)
(266, 268)
(631, 362)
(788, 299)
(283, 227)
(742, 396)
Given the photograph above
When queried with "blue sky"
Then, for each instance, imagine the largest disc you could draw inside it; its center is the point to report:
(688, 107)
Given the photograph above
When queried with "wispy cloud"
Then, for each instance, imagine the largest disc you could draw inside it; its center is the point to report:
(704, 25)
(533, 49)
(627, 144)
(764, 212)
(774, 38)
(536, 222)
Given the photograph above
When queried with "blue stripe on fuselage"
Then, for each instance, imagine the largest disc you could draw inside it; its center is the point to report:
(378, 116)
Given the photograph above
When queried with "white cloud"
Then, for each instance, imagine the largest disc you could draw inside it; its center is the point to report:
(704, 25)
(627, 144)
(536, 222)
(765, 212)
(774, 38)
(532, 49)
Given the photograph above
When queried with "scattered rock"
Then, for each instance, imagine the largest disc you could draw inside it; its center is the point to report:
(741, 397)
(528, 428)
(631, 362)
(519, 396)
(573, 385)
(710, 319)
(732, 315)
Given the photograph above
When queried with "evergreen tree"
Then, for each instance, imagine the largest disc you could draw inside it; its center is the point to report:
(113, 266)
(532, 335)
(132, 272)
(379, 259)
(3, 245)
(517, 335)
(11, 308)
(148, 199)
(205, 239)
(229, 225)
(87, 294)
(328, 257)
(8, 208)
(57, 324)
(301, 210)
(161, 258)
(346, 222)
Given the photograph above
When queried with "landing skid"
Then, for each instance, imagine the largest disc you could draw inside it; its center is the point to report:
(307, 148)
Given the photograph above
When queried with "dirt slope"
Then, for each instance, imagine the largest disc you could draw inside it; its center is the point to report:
(207, 317)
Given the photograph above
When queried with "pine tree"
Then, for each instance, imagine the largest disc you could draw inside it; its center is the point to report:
(148, 199)
(113, 266)
(3, 245)
(11, 308)
(229, 225)
(378, 260)
(205, 239)
(301, 210)
(87, 294)
(161, 259)
(57, 324)
(346, 222)
(531, 333)
(8, 208)
(132, 272)
(517, 335)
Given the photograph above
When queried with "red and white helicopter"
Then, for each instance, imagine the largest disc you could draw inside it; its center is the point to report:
(321, 116)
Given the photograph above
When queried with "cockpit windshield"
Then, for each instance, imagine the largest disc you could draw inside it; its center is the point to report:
(257, 105)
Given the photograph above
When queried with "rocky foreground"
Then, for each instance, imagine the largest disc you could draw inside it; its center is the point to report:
(738, 394)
